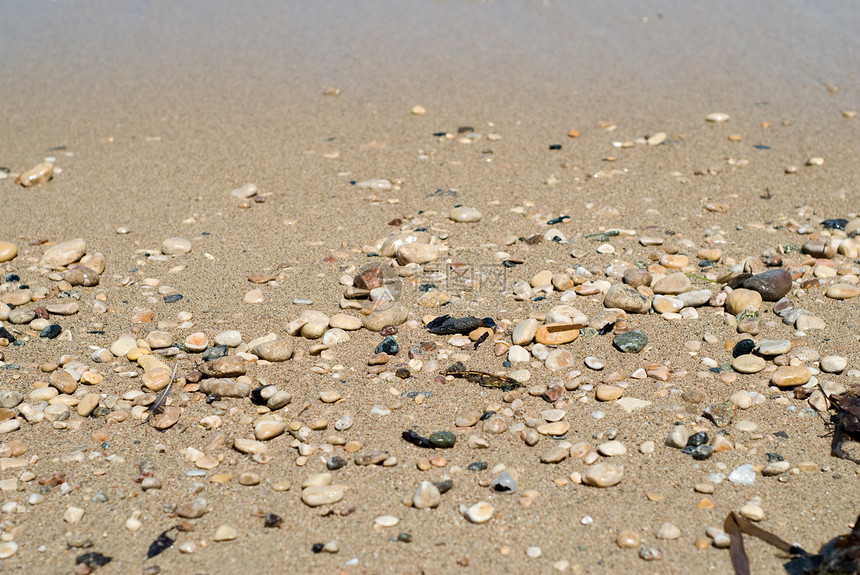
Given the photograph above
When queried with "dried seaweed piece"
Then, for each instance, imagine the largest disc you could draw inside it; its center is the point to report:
(163, 542)
(93, 560)
(157, 408)
(482, 339)
(483, 378)
(447, 325)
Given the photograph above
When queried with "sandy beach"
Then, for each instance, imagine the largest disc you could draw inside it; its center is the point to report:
(358, 121)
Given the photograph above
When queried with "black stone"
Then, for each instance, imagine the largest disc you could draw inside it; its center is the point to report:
(212, 398)
(555, 147)
(426, 287)
(317, 547)
(743, 347)
(442, 439)
(781, 435)
(738, 280)
(389, 346)
(172, 298)
(215, 352)
(335, 462)
(697, 439)
(835, 224)
(404, 538)
(702, 452)
(445, 485)
(772, 457)
(478, 466)
(272, 520)
(93, 560)
(558, 220)
(51, 331)
(12, 277)
(4, 333)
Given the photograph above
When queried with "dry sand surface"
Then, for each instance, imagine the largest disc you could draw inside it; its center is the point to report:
(152, 113)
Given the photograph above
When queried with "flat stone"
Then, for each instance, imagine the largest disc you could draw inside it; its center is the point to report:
(555, 360)
(748, 363)
(603, 475)
(196, 342)
(772, 347)
(419, 253)
(230, 338)
(167, 418)
(613, 448)
(556, 333)
(175, 246)
(666, 304)
(668, 531)
(842, 291)
(225, 387)
(772, 284)
(557, 428)
(790, 376)
(672, 284)
(608, 392)
(807, 322)
(464, 214)
(249, 446)
(695, 298)
(631, 341)
(833, 363)
(156, 379)
(345, 322)
(317, 495)
(63, 254)
(245, 191)
(268, 429)
(82, 276)
(524, 332)
(555, 454)
(624, 297)
(227, 366)
(225, 533)
(392, 314)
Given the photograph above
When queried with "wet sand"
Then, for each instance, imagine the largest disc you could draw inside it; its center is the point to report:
(163, 110)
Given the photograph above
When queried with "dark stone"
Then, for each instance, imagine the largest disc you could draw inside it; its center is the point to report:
(444, 486)
(835, 224)
(317, 547)
(388, 346)
(4, 334)
(697, 439)
(774, 457)
(215, 352)
(172, 298)
(738, 280)
(631, 341)
(478, 466)
(51, 331)
(335, 462)
(702, 452)
(772, 284)
(369, 279)
(555, 146)
(272, 520)
(442, 439)
(93, 560)
(404, 537)
(12, 277)
(426, 287)
(743, 347)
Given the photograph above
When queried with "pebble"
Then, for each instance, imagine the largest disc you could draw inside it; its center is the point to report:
(612, 448)
(225, 533)
(556, 333)
(748, 364)
(717, 117)
(317, 495)
(603, 475)
(628, 539)
(504, 483)
(672, 284)
(741, 300)
(524, 332)
(7, 549)
(771, 285)
(833, 363)
(631, 341)
(275, 351)
(480, 512)
(668, 531)
(790, 376)
(8, 251)
(230, 338)
(36, 175)
(63, 254)
(427, 496)
(842, 291)
(464, 214)
(772, 347)
(743, 475)
(678, 437)
(175, 246)
(624, 297)
(393, 314)
(752, 512)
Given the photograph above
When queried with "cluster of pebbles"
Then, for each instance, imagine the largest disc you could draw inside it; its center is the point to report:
(219, 387)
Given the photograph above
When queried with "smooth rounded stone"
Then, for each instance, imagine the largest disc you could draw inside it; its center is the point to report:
(73, 514)
(386, 521)
(317, 495)
(668, 531)
(159, 339)
(193, 510)
(10, 399)
(751, 512)
(524, 332)
(50, 331)
(18, 297)
(555, 360)
(419, 253)
(672, 284)
(665, 304)
(504, 483)
(21, 315)
(442, 439)
(249, 446)
(594, 363)
(279, 400)
(167, 418)
(427, 496)
(225, 387)
(7, 549)
(631, 341)
(772, 347)
(628, 539)
(253, 296)
(8, 251)
(678, 437)
(389, 247)
(518, 354)
(175, 246)
(393, 314)
(695, 298)
(88, 404)
(693, 396)
(608, 392)
(833, 363)
(741, 300)
(82, 276)
(790, 376)
(635, 277)
(772, 284)
(624, 297)
(775, 468)
(330, 396)
(68, 308)
(268, 429)
(244, 192)
(603, 475)
(63, 254)
(276, 350)
(225, 533)
(557, 428)
(717, 117)
(9, 426)
(555, 454)
(344, 322)
(613, 448)
(748, 363)
(556, 333)
(807, 322)
(464, 214)
(230, 338)
(842, 291)
(743, 475)
(227, 366)
(196, 342)
(480, 512)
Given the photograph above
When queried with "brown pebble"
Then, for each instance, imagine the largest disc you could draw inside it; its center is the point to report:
(388, 330)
